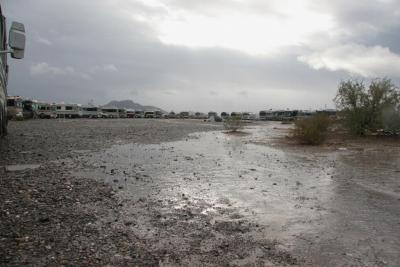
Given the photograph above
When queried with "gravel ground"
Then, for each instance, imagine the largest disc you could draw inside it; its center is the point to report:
(50, 216)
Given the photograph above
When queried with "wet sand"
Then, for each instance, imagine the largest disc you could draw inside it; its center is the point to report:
(210, 198)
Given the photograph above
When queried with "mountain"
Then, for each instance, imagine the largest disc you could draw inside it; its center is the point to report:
(129, 104)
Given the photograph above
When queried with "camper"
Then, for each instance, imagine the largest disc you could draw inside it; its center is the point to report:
(122, 113)
(45, 111)
(171, 115)
(149, 115)
(71, 111)
(224, 115)
(212, 114)
(184, 115)
(14, 107)
(15, 45)
(237, 115)
(109, 112)
(29, 108)
(139, 114)
(130, 113)
(249, 116)
(91, 112)
(158, 114)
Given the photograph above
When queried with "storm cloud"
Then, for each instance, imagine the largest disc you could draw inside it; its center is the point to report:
(202, 55)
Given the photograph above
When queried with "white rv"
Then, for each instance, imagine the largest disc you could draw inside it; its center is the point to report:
(109, 112)
(91, 112)
(45, 111)
(68, 111)
(248, 116)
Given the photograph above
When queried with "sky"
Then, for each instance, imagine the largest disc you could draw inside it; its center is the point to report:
(220, 55)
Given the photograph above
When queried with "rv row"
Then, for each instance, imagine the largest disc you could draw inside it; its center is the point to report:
(18, 107)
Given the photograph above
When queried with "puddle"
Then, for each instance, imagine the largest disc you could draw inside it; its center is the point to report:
(323, 204)
(22, 167)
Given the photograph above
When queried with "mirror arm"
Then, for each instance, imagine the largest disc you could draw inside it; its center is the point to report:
(6, 52)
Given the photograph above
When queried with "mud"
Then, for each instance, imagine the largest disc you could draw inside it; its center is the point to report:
(201, 197)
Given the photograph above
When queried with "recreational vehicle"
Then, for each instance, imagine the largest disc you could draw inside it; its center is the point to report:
(71, 111)
(249, 116)
(14, 107)
(122, 113)
(109, 113)
(149, 115)
(184, 115)
(45, 111)
(130, 113)
(91, 112)
(29, 108)
(237, 115)
(139, 114)
(16, 47)
(224, 115)
(172, 115)
(158, 114)
(212, 114)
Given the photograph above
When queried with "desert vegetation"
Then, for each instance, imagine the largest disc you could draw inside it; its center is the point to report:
(312, 130)
(233, 124)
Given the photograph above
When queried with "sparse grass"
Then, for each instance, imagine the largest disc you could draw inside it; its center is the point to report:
(311, 131)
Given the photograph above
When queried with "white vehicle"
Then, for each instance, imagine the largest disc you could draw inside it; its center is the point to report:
(248, 116)
(68, 111)
(139, 114)
(45, 111)
(130, 113)
(149, 115)
(122, 113)
(15, 45)
(109, 112)
(91, 112)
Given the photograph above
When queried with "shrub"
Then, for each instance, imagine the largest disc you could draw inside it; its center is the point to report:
(311, 131)
(233, 124)
(391, 120)
(363, 110)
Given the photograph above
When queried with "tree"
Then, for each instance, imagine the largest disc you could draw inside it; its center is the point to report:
(364, 110)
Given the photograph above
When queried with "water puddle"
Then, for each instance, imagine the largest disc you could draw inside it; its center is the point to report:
(22, 167)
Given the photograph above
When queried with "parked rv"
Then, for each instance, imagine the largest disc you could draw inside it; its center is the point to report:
(14, 107)
(91, 112)
(149, 115)
(71, 111)
(212, 114)
(184, 115)
(224, 115)
(45, 111)
(236, 115)
(158, 114)
(130, 113)
(172, 115)
(109, 113)
(249, 116)
(139, 114)
(15, 45)
(200, 115)
(122, 113)
(29, 108)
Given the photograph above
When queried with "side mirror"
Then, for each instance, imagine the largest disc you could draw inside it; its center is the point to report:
(17, 40)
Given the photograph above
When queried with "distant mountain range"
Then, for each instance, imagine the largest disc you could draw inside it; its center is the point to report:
(129, 104)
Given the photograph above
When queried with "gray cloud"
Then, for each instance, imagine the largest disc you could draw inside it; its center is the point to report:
(103, 50)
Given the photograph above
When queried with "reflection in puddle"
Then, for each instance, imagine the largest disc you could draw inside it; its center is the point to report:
(311, 200)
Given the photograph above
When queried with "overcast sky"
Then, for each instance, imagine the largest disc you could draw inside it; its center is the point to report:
(222, 55)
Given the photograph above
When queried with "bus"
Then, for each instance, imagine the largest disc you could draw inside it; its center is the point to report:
(16, 47)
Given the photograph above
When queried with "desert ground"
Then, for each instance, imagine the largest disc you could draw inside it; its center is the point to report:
(136, 192)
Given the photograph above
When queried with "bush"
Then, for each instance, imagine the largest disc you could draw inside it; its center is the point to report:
(311, 131)
(363, 110)
(391, 120)
(233, 124)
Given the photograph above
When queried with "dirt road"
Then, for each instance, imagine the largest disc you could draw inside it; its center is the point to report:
(166, 192)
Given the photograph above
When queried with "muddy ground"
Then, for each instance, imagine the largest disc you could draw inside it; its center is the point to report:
(170, 192)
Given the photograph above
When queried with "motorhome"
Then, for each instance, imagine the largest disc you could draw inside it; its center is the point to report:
(249, 116)
(158, 114)
(16, 47)
(109, 112)
(91, 112)
(224, 115)
(149, 115)
(237, 115)
(130, 113)
(184, 115)
(29, 108)
(212, 114)
(45, 111)
(14, 107)
(71, 111)
(122, 113)
(172, 115)
(139, 114)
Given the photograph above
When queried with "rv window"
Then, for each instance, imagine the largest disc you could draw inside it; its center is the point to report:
(10, 102)
(58, 107)
(68, 108)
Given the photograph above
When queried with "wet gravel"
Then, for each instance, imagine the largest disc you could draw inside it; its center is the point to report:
(49, 216)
